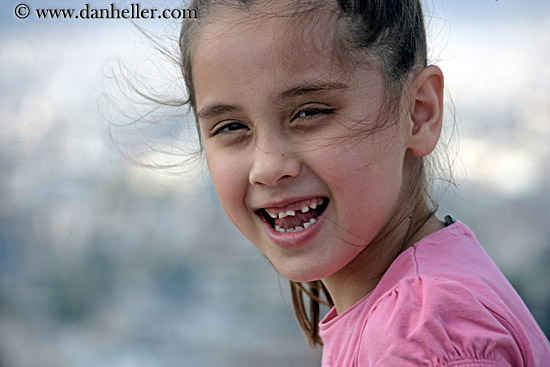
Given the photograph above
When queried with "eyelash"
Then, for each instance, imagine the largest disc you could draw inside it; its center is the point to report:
(317, 112)
(227, 128)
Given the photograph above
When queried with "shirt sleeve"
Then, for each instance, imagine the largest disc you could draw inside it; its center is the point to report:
(435, 323)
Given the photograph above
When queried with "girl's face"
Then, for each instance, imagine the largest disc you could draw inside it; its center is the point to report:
(281, 121)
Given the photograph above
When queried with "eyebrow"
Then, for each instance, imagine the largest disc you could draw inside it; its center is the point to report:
(300, 90)
(309, 88)
(216, 110)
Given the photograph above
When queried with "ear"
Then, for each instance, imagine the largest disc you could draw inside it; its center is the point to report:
(426, 111)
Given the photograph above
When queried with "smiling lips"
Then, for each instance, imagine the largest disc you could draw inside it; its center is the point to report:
(296, 216)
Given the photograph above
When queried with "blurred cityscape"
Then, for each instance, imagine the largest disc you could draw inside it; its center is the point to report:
(106, 263)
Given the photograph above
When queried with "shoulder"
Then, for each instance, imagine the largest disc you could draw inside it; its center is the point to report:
(426, 321)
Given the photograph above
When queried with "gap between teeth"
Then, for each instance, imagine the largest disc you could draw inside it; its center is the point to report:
(305, 225)
(305, 209)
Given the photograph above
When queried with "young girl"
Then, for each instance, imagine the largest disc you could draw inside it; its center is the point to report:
(316, 118)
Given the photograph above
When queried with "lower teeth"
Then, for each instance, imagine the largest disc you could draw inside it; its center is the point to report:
(296, 229)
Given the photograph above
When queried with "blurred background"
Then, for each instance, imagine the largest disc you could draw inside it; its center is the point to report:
(106, 263)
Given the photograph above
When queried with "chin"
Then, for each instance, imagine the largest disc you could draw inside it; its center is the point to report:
(303, 274)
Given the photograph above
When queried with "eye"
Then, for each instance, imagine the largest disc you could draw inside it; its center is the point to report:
(309, 113)
(229, 127)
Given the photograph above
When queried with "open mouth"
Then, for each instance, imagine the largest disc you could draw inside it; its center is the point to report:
(295, 217)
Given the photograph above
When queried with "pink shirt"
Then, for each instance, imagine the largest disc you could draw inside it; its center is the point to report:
(442, 303)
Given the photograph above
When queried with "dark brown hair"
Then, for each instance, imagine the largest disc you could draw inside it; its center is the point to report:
(393, 32)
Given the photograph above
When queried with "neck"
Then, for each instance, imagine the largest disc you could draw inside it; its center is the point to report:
(358, 278)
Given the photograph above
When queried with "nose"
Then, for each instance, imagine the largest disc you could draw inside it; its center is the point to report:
(273, 163)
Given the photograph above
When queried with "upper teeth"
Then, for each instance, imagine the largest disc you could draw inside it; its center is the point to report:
(287, 213)
(281, 213)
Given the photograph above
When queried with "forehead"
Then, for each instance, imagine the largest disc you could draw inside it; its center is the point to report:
(245, 45)
(283, 21)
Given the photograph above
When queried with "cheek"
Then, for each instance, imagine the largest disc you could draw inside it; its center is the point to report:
(368, 164)
(366, 182)
(342, 168)
(230, 180)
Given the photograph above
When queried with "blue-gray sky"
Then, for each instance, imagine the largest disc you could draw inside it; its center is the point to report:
(494, 53)
(65, 193)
